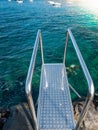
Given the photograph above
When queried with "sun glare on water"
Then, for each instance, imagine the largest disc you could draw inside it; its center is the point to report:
(91, 5)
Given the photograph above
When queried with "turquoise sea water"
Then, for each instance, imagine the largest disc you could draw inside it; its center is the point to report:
(18, 27)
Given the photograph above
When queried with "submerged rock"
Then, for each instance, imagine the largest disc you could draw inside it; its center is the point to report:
(72, 68)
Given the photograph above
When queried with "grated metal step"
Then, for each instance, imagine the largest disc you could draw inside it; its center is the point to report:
(55, 106)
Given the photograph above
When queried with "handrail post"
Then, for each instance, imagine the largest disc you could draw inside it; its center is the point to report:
(32, 111)
(65, 51)
(90, 94)
(41, 47)
(83, 113)
(28, 85)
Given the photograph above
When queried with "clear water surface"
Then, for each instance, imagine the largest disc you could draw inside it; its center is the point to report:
(18, 27)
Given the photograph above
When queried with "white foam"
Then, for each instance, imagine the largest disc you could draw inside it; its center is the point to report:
(55, 4)
(20, 1)
(31, 0)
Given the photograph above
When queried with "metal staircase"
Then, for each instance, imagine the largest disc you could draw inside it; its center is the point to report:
(55, 110)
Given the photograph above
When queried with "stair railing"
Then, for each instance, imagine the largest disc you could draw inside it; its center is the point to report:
(28, 85)
(90, 93)
(31, 71)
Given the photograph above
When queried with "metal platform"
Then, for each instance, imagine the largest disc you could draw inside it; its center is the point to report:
(55, 105)
(54, 99)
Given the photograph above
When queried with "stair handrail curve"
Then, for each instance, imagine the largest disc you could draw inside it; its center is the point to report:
(29, 78)
(89, 80)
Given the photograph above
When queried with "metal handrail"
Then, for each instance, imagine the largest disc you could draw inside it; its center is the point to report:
(90, 94)
(30, 76)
